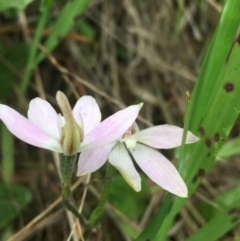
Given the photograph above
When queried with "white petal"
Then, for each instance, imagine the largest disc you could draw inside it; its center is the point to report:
(159, 169)
(89, 111)
(42, 114)
(25, 130)
(164, 136)
(112, 128)
(120, 159)
(92, 159)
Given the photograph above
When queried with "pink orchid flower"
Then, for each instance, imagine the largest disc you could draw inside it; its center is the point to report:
(140, 144)
(77, 129)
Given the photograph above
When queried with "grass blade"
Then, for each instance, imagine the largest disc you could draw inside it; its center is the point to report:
(45, 8)
(215, 60)
(224, 108)
(218, 225)
(63, 24)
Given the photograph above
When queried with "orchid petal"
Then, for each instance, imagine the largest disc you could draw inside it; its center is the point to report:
(164, 136)
(121, 160)
(92, 159)
(25, 130)
(42, 114)
(89, 112)
(159, 169)
(112, 128)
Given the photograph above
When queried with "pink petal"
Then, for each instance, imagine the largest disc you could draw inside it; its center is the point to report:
(22, 128)
(164, 136)
(42, 114)
(92, 159)
(159, 169)
(112, 128)
(121, 160)
(89, 111)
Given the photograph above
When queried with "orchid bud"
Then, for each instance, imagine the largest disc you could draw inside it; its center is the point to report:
(72, 134)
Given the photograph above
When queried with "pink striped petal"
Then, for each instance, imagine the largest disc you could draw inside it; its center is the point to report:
(22, 128)
(112, 128)
(121, 160)
(164, 136)
(89, 112)
(92, 159)
(159, 169)
(42, 114)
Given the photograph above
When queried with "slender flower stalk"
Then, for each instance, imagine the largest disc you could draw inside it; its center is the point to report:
(66, 167)
(140, 145)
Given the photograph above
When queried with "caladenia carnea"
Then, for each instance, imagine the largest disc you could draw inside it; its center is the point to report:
(68, 134)
(139, 145)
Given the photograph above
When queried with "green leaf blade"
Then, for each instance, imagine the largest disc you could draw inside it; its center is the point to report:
(18, 4)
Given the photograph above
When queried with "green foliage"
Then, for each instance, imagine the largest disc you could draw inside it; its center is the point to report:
(218, 225)
(99, 210)
(13, 198)
(214, 109)
(11, 67)
(220, 203)
(231, 148)
(87, 30)
(122, 52)
(44, 9)
(63, 24)
(61, 27)
(225, 100)
(129, 202)
(7, 154)
(125, 199)
(214, 61)
(158, 219)
(18, 4)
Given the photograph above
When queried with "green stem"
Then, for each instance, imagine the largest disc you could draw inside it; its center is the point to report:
(66, 167)
(72, 209)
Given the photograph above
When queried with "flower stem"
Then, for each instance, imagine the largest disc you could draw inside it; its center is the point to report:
(72, 209)
(66, 167)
